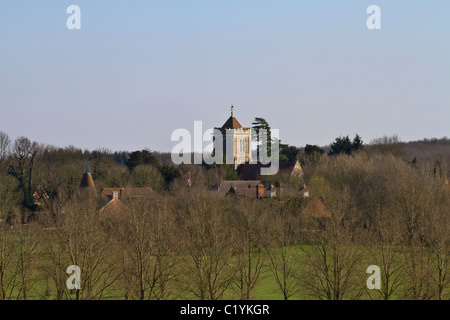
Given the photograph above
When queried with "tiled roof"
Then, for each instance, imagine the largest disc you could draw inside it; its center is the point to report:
(87, 181)
(315, 208)
(225, 185)
(231, 123)
(114, 207)
(252, 171)
(248, 189)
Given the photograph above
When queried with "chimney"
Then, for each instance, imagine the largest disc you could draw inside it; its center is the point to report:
(260, 190)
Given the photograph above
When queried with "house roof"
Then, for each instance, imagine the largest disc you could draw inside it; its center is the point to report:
(130, 192)
(304, 188)
(40, 197)
(113, 207)
(252, 171)
(315, 208)
(248, 189)
(40, 194)
(116, 205)
(243, 192)
(225, 185)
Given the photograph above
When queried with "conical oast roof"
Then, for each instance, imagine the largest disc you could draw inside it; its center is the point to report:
(86, 180)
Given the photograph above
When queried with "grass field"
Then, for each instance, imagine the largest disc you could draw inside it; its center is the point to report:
(266, 288)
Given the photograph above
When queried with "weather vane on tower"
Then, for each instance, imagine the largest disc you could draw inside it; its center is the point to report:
(232, 110)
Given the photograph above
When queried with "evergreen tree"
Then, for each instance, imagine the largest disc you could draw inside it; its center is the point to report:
(169, 172)
(258, 124)
(141, 157)
(288, 153)
(313, 150)
(345, 145)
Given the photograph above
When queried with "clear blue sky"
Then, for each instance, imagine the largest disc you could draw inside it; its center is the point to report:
(137, 70)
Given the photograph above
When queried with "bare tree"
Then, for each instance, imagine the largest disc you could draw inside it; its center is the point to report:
(387, 144)
(28, 256)
(251, 257)
(55, 261)
(145, 233)
(8, 272)
(282, 250)
(414, 197)
(21, 167)
(208, 244)
(385, 251)
(77, 236)
(332, 260)
(147, 176)
(5, 146)
(437, 238)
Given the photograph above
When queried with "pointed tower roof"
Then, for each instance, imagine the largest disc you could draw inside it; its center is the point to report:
(86, 180)
(232, 122)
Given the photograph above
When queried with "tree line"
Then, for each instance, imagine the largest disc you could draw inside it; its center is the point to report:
(191, 243)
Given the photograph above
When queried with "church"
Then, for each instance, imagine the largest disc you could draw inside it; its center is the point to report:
(236, 141)
(236, 144)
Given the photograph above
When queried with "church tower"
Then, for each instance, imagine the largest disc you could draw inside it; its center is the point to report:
(237, 141)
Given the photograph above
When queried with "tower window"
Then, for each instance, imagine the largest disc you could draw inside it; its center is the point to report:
(242, 145)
